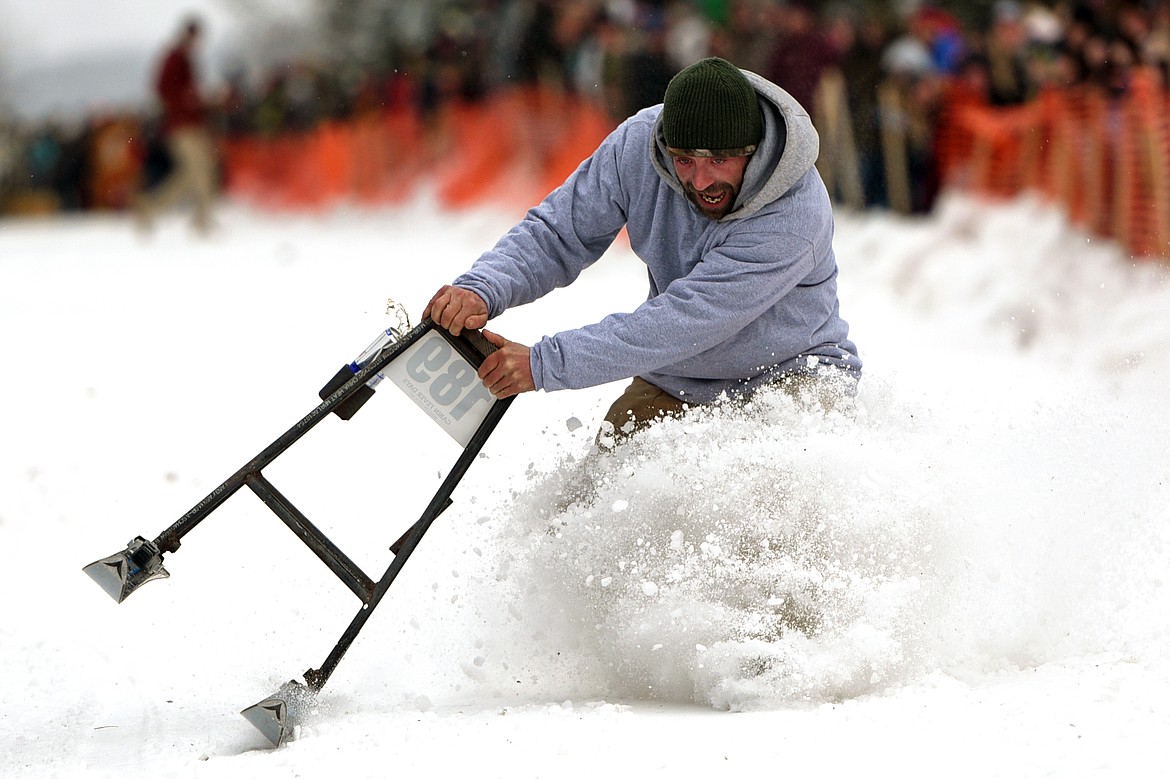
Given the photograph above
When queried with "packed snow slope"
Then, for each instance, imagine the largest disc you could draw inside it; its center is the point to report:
(962, 572)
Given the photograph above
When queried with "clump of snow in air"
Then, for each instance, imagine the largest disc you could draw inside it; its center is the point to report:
(762, 555)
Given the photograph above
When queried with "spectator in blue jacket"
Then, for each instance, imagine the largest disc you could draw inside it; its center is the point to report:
(721, 200)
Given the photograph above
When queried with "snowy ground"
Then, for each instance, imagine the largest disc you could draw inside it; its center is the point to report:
(963, 575)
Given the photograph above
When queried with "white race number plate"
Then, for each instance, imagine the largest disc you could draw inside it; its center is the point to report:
(443, 384)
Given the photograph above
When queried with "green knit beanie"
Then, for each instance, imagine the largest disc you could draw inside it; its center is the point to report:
(710, 110)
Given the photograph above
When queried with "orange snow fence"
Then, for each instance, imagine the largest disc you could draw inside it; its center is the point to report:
(1106, 161)
(116, 162)
(510, 149)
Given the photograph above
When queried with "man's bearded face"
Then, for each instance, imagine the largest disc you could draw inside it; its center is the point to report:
(711, 183)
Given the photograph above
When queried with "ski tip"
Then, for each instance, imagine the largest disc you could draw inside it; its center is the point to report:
(124, 572)
(270, 717)
(277, 716)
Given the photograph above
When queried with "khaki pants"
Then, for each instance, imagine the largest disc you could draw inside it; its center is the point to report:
(637, 408)
(193, 176)
(642, 404)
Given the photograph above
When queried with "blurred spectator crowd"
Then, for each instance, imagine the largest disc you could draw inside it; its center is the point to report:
(866, 72)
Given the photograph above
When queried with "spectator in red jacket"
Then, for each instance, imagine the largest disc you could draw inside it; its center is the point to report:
(188, 140)
(801, 54)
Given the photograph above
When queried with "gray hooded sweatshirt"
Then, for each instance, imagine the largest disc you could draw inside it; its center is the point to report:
(733, 303)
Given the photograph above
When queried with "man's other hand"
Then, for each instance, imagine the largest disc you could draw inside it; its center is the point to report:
(508, 370)
(454, 309)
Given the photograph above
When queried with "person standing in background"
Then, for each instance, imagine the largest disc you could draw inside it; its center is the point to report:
(188, 140)
(800, 54)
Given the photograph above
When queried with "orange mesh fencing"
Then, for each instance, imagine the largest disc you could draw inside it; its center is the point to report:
(954, 140)
(484, 144)
(583, 129)
(1105, 161)
(510, 149)
(116, 160)
(1142, 208)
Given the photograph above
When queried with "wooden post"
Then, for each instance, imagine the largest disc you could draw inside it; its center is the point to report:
(893, 127)
(837, 163)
